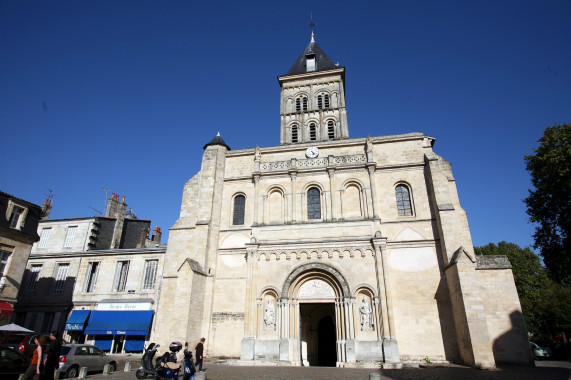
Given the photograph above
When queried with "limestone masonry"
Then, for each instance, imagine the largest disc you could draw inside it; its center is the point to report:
(327, 250)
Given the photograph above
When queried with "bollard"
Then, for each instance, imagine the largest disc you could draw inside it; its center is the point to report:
(82, 373)
(375, 376)
(107, 369)
(57, 374)
(21, 376)
(200, 375)
(127, 367)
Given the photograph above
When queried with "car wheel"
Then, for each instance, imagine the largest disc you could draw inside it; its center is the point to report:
(112, 367)
(71, 372)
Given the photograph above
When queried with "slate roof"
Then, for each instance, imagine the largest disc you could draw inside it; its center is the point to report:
(217, 140)
(322, 60)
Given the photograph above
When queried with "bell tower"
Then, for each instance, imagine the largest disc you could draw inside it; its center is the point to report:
(312, 101)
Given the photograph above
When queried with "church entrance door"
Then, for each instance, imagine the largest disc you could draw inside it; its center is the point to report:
(318, 334)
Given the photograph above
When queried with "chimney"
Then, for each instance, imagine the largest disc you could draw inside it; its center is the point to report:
(157, 234)
(116, 209)
(46, 209)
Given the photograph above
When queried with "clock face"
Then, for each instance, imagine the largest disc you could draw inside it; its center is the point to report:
(312, 152)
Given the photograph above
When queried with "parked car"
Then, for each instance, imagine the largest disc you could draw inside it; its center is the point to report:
(12, 363)
(540, 352)
(22, 342)
(75, 356)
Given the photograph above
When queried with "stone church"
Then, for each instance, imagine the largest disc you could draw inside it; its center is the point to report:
(333, 251)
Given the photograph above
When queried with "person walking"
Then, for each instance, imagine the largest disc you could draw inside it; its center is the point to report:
(36, 365)
(199, 353)
(52, 355)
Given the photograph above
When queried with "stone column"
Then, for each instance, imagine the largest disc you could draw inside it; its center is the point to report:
(256, 198)
(248, 341)
(293, 177)
(390, 344)
(265, 209)
(334, 206)
(371, 168)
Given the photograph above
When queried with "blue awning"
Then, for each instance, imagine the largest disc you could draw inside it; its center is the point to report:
(119, 322)
(76, 321)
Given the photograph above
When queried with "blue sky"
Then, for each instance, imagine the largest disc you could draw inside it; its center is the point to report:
(124, 94)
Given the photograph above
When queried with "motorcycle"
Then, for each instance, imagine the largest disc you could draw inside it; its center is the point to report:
(166, 366)
(147, 368)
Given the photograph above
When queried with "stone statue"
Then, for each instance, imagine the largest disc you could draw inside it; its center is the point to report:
(366, 314)
(270, 315)
(257, 154)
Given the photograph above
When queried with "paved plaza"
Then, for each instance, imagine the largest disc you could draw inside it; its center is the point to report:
(544, 371)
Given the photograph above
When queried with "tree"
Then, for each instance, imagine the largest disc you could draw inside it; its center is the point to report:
(549, 203)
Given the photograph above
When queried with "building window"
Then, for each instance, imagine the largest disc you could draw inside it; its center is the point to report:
(150, 274)
(44, 238)
(16, 219)
(294, 137)
(239, 210)
(301, 103)
(61, 276)
(70, 237)
(403, 200)
(121, 274)
(34, 278)
(313, 203)
(331, 130)
(304, 103)
(312, 132)
(4, 256)
(48, 321)
(323, 101)
(91, 278)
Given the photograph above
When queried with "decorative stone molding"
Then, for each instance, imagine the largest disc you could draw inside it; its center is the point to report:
(316, 267)
(354, 159)
(493, 262)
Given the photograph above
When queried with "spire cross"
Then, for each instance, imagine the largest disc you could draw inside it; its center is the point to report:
(311, 25)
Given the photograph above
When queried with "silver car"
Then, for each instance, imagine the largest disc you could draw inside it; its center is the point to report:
(75, 356)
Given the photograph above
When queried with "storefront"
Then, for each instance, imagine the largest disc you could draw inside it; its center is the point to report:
(75, 325)
(120, 327)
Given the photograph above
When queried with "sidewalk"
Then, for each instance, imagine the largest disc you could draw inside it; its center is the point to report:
(230, 372)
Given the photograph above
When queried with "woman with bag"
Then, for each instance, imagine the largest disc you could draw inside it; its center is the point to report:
(36, 366)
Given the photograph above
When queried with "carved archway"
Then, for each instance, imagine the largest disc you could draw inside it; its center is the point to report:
(312, 271)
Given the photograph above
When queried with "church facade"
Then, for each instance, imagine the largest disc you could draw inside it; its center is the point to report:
(334, 251)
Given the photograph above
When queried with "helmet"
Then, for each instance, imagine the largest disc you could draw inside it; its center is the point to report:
(175, 346)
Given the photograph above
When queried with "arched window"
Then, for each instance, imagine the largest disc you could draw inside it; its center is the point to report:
(331, 130)
(239, 210)
(301, 103)
(323, 101)
(294, 137)
(313, 203)
(403, 200)
(312, 132)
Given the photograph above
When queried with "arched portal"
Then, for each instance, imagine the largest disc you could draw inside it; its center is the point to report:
(317, 310)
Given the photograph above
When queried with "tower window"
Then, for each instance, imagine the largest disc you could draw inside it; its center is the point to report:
(331, 130)
(313, 203)
(312, 132)
(323, 101)
(239, 209)
(294, 138)
(403, 201)
(301, 103)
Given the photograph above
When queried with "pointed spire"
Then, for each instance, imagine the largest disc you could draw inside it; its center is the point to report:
(217, 140)
(312, 39)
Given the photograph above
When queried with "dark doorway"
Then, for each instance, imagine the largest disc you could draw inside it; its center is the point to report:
(326, 343)
(319, 340)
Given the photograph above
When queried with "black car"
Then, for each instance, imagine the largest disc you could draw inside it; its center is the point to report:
(22, 342)
(12, 363)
